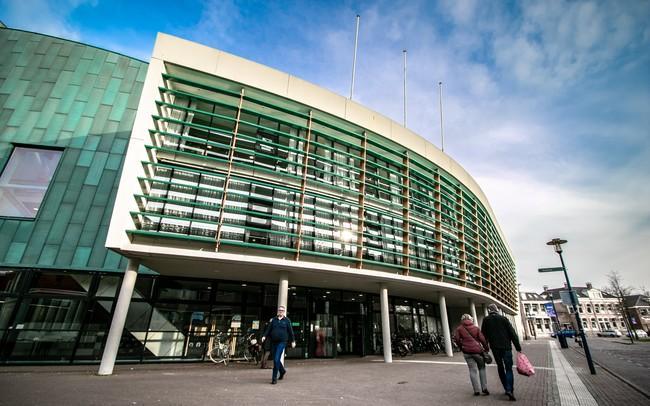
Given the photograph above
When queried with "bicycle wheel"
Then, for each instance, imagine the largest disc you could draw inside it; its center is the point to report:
(218, 355)
(225, 353)
(213, 354)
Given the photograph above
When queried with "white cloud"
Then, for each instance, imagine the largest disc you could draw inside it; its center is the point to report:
(596, 220)
(44, 16)
(215, 25)
(462, 11)
(557, 42)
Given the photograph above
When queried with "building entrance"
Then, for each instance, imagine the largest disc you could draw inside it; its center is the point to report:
(350, 335)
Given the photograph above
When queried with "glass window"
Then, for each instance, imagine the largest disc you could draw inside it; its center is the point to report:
(7, 305)
(184, 289)
(9, 279)
(135, 331)
(108, 285)
(25, 180)
(92, 336)
(60, 283)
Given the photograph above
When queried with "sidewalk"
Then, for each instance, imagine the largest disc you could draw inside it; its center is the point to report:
(414, 380)
(605, 386)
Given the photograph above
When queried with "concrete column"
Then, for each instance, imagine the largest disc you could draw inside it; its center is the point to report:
(283, 294)
(283, 289)
(485, 311)
(472, 310)
(119, 318)
(445, 325)
(385, 323)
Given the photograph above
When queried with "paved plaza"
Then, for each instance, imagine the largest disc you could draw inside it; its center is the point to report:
(561, 379)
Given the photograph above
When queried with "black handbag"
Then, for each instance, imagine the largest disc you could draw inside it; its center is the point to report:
(487, 358)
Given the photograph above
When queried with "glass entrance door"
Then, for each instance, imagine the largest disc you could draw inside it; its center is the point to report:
(323, 336)
(349, 334)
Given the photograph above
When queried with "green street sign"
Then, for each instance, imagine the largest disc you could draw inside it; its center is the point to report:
(556, 269)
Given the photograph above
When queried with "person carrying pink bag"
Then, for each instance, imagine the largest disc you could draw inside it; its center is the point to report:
(501, 336)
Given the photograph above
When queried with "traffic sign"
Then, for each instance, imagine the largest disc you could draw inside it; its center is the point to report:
(565, 295)
(556, 269)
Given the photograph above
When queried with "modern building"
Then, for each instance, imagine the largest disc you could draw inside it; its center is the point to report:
(195, 193)
(598, 310)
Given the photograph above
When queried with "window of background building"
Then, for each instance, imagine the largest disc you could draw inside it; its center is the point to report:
(25, 180)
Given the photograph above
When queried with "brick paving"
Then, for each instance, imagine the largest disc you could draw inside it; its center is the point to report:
(415, 380)
(541, 387)
(604, 386)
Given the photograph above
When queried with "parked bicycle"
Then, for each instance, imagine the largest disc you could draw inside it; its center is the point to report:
(219, 350)
(224, 348)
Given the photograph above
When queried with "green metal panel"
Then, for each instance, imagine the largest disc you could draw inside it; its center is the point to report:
(15, 252)
(81, 255)
(48, 255)
(7, 231)
(82, 99)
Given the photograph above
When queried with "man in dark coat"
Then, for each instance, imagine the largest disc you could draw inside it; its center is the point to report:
(501, 336)
(279, 331)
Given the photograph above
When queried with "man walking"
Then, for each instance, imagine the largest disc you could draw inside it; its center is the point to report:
(500, 334)
(279, 331)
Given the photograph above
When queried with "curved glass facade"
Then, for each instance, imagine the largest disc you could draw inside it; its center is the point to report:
(238, 168)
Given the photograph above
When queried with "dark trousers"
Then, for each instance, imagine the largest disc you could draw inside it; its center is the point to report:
(277, 349)
(503, 359)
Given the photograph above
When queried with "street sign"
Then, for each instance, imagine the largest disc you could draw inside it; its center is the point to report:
(566, 297)
(556, 269)
(550, 310)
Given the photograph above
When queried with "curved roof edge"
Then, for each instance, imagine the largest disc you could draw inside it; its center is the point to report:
(4, 27)
(213, 61)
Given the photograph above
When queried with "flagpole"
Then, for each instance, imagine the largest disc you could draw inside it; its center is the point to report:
(404, 53)
(354, 59)
(442, 134)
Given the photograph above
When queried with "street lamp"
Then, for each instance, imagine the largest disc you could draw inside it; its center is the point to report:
(557, 245)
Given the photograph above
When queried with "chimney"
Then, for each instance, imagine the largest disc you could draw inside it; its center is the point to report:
(565, 286)
(589, 285)
(545, 288)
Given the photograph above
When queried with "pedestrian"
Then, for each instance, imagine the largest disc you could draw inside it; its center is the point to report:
(501, 336)
(473, 344)
(279, 331)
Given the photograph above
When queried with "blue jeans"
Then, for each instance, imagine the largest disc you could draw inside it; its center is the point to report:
(503, 359)
(277, 349)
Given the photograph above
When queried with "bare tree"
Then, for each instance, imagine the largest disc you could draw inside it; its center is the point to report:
(645, 291)
(616, 288)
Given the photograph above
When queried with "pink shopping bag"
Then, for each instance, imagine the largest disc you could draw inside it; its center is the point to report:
(524, 367)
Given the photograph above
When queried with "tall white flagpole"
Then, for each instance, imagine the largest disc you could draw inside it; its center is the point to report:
(354, 59)
(404, 53)
(442, 134)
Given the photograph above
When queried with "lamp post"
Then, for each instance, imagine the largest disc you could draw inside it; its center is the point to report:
(557, 245)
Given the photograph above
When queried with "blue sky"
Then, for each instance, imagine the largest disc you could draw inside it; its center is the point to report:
(547, 104)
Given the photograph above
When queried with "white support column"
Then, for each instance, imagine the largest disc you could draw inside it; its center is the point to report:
(119, 318)
(472, 310)
(283, 294)
(445, 325)
(485, 312)
(283, 289)
(385, 323)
